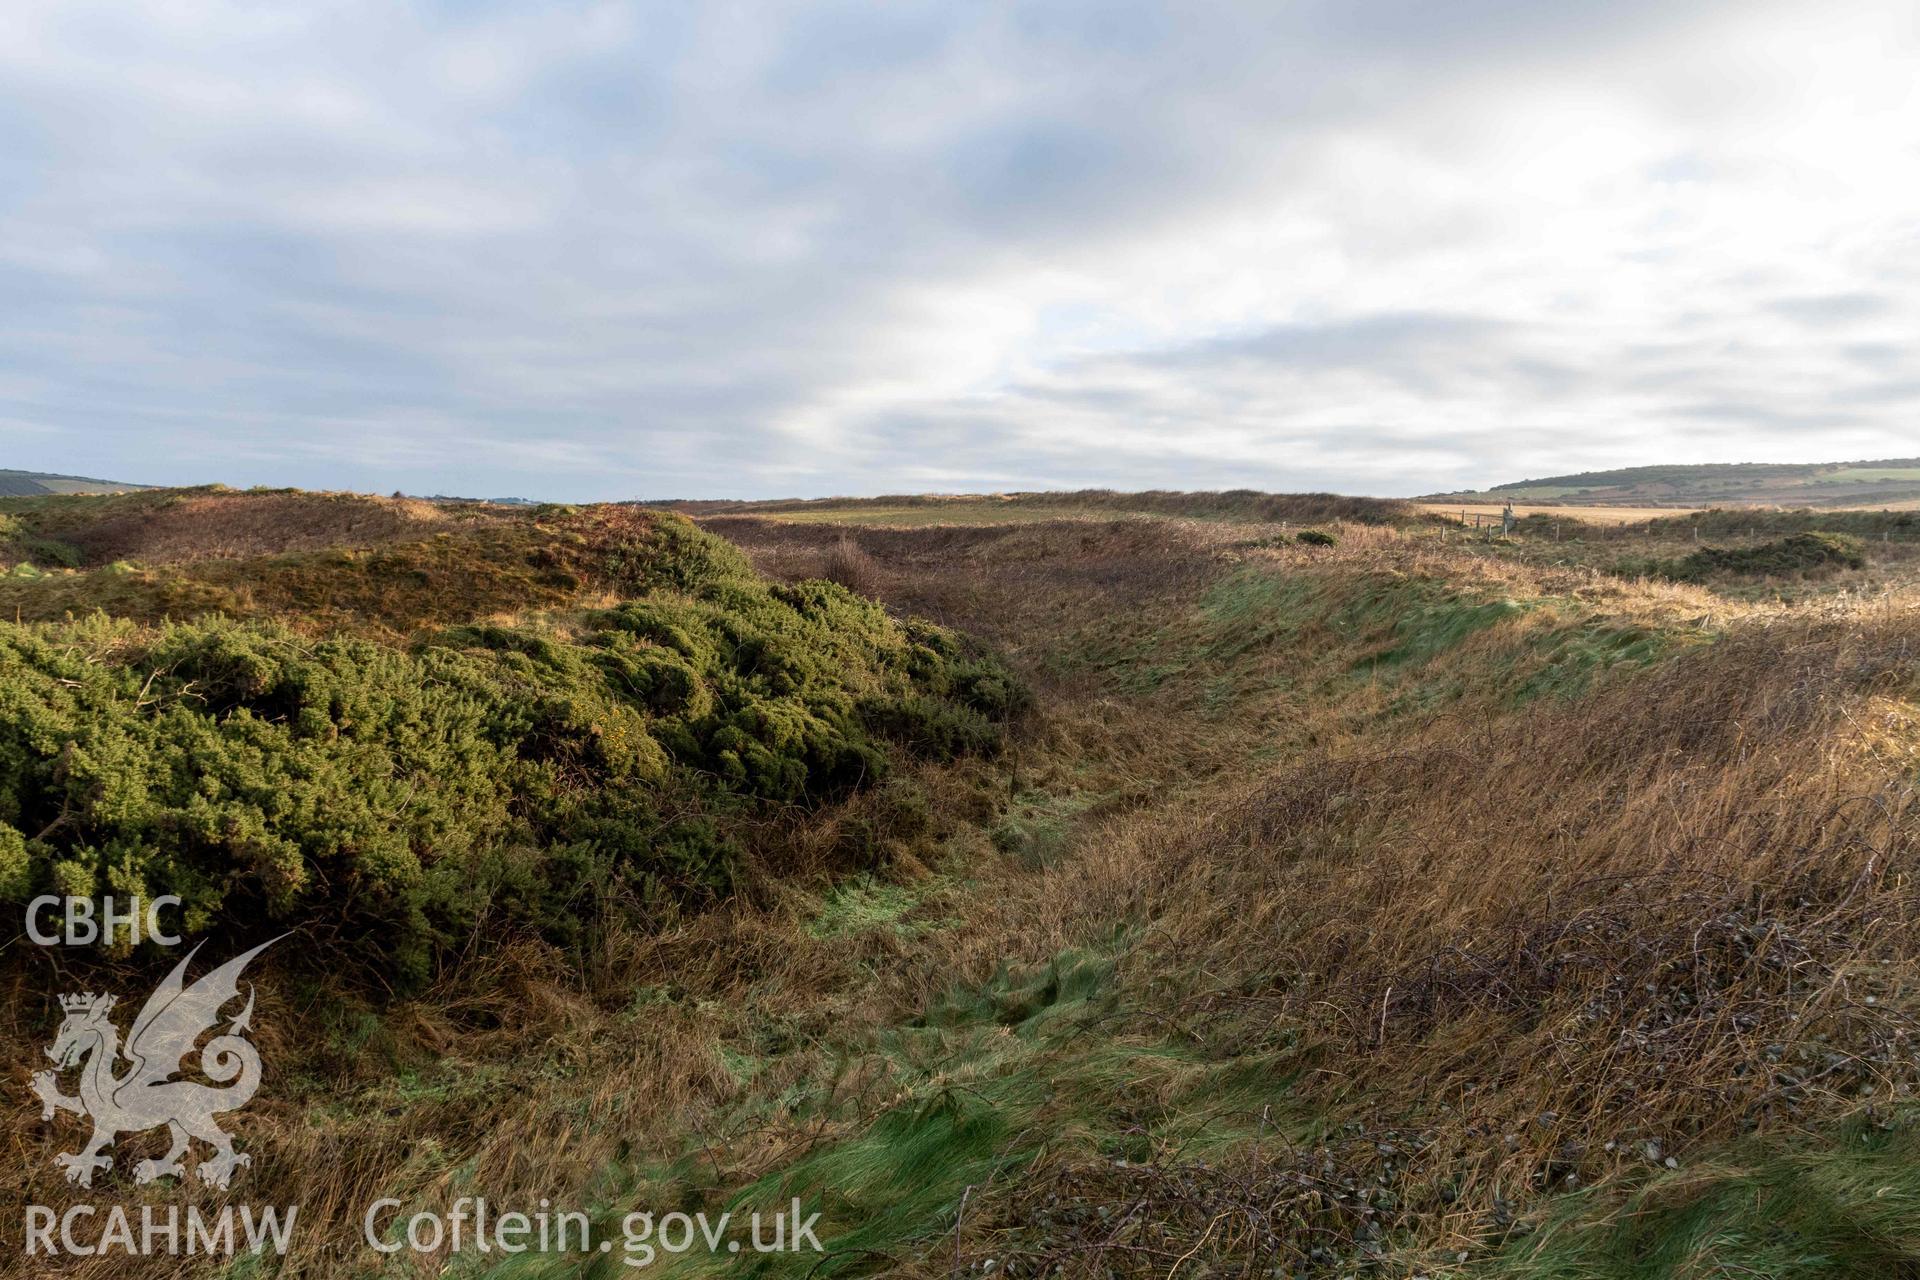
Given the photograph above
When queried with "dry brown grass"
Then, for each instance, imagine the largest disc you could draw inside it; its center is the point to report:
(1525, 942)
(1018, 585)
(1584, 515)
(392, 586)
(848, 564)
(448, 1073)
(169, 527)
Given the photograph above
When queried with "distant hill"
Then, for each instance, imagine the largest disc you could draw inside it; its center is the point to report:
(934, 508)
(26, 484)
(1888, 482)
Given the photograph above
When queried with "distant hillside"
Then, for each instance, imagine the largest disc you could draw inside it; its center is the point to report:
(1888, 482)
(26, 484)
(935, 508)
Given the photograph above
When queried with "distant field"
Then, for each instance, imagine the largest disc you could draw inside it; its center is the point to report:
(996, 510)
(1873, 475)
(919, 510)
(1592, 515)
(990, 511)
(20, 484)
(1874, 484)
(986, 511)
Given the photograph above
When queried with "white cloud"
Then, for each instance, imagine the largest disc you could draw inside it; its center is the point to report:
(602, 249)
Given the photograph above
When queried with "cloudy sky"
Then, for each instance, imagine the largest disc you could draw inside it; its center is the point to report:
(660, 249)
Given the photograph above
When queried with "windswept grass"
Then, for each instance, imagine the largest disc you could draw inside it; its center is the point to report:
(1505, 904)
(1800, 1207)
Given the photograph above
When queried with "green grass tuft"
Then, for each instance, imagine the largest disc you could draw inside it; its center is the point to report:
(1788, 1208)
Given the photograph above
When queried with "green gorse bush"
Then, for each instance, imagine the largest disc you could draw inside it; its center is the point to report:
(1791, 556)
(393, 799)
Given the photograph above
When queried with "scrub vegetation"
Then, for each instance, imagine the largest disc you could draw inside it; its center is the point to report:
(1090, 896)
(1799, 554)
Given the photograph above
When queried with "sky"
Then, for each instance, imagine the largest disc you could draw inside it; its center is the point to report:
(614, 250)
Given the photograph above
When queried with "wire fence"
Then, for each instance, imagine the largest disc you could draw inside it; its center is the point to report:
(1884, 528)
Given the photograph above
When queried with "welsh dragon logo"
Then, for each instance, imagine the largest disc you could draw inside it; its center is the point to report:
(146, 1096)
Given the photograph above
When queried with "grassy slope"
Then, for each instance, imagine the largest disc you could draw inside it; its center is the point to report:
(1385, 673)
(29, 483)
(1343, 909)
(1887, 483)
(1352, 671)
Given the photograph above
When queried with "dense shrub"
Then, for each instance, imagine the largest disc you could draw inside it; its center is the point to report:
(896, 811)
(848, 564)
(1800, 553)
(1896, 526)
(395, 798)
(20, 547)
(1318, 538)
